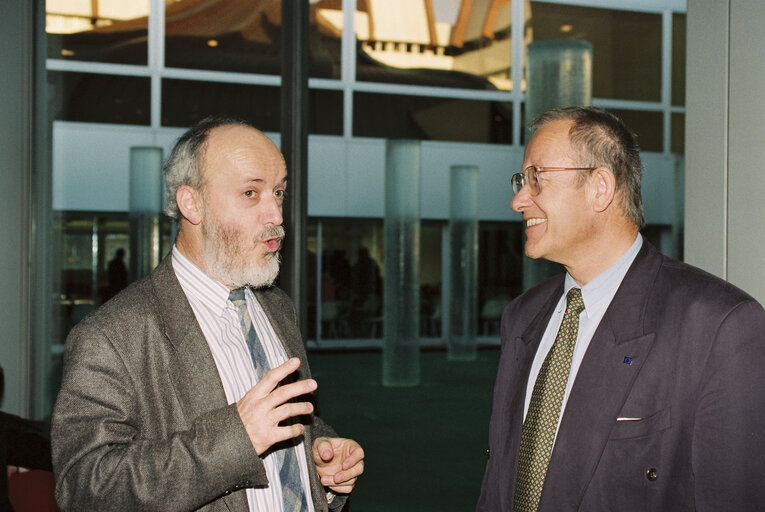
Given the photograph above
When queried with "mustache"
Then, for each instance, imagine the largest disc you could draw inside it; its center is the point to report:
(276, 231)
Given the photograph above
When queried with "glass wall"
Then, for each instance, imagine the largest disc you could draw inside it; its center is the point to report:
(138, 73)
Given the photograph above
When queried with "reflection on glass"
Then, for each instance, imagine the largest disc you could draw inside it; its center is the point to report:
(678, 58)
(351, 273)
(626, 46)
(428, 118)
(91, 261)
(647, 126)
(500, 270)
(243, 36)
(96, 98)
(97, 30)
(185, 102)
(441, 43)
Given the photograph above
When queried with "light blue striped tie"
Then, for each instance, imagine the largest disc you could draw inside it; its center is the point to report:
(293, 494)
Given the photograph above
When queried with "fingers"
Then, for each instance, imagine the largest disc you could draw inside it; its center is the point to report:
(344, 481)
(355, 456)
(273, 377)
(339, 463)
(322, 450)
(265, 406)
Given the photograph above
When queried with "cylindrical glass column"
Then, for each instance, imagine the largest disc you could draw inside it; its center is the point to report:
(145, 201)
(463, 246)
(559, 75)
(401, 324)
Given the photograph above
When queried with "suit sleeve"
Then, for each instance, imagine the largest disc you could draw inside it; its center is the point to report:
(105, 458)
(729, 429)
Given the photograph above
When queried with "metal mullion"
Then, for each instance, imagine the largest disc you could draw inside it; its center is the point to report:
(666, 78)
(156, 58)
(348, 65)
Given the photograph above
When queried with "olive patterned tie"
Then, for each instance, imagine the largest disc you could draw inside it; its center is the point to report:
(541, 422)
(293, 494)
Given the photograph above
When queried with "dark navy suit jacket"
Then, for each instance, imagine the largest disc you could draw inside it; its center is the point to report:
(694, 377)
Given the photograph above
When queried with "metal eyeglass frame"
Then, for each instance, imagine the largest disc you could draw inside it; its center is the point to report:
(529, 177)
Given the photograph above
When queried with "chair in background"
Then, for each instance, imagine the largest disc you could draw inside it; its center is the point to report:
(32, 491)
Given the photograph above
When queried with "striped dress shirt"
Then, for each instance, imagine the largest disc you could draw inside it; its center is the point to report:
(219, 320)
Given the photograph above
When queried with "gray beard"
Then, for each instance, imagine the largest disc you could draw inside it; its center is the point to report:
(222, 257)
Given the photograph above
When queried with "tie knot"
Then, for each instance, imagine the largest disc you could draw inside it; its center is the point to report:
(574, 300)
(236, 295)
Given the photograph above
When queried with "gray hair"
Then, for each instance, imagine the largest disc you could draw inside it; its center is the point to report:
(601, 138)
(185, 164)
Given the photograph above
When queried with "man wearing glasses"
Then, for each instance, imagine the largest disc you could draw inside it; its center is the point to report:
(633, 381)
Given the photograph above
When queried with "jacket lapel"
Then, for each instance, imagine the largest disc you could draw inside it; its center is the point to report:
(191, 366)
(614, 357)
(517, 358)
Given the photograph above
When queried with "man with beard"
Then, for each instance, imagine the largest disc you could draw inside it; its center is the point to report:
(190, 389)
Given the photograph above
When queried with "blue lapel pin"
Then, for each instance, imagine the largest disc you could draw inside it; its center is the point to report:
(627, 360)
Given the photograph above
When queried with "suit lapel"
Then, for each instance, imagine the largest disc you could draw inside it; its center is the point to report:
(614, 357)
(518, 357)
(192, 367)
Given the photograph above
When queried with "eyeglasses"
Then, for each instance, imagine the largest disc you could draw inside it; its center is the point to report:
(529, 177)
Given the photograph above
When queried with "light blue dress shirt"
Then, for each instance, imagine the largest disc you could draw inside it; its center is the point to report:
(597, 296)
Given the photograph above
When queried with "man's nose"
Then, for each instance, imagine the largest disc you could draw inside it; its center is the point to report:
(274, 212)
(521, 200)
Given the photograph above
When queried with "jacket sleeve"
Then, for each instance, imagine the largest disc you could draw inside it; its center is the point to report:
(729, 426)
(108, 454)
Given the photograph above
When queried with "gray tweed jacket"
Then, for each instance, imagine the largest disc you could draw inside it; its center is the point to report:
(142, 422)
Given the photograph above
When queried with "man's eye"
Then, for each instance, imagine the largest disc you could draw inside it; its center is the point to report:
(279, 193)
(249, 193)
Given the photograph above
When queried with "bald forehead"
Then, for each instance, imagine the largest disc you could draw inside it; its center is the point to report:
(240, 144)
(239, 136)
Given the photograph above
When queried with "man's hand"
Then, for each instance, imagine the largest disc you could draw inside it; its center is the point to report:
(264, 406)
(339, 462)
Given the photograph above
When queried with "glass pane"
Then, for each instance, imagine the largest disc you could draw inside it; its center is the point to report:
(430, 278)
(678, 134)
(245, 36)
(626, 46)
(351, 278)
(96, 98)
(424, 118)
(647, 125)
(440, 43)
(90, 262)
(678, 58)
(97, 30)
(184, 102)
(325, 112)
(500, 271)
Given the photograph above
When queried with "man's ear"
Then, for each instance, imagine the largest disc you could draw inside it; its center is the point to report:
(189, 203)
(603, 187)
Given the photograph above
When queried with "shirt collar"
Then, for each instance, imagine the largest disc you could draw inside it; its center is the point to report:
(597, 294)
(198, 285)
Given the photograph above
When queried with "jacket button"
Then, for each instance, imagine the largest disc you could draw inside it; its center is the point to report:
(488, 453)
(652, 474)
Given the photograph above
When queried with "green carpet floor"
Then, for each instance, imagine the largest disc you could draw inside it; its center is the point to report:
(425, 446)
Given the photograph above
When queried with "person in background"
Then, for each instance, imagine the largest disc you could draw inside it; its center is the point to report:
(190, 389)
(633, 381)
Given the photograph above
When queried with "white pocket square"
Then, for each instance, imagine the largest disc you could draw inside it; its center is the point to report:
(628, 419)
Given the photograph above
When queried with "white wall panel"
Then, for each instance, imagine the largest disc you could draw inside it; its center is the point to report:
(346, 178)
